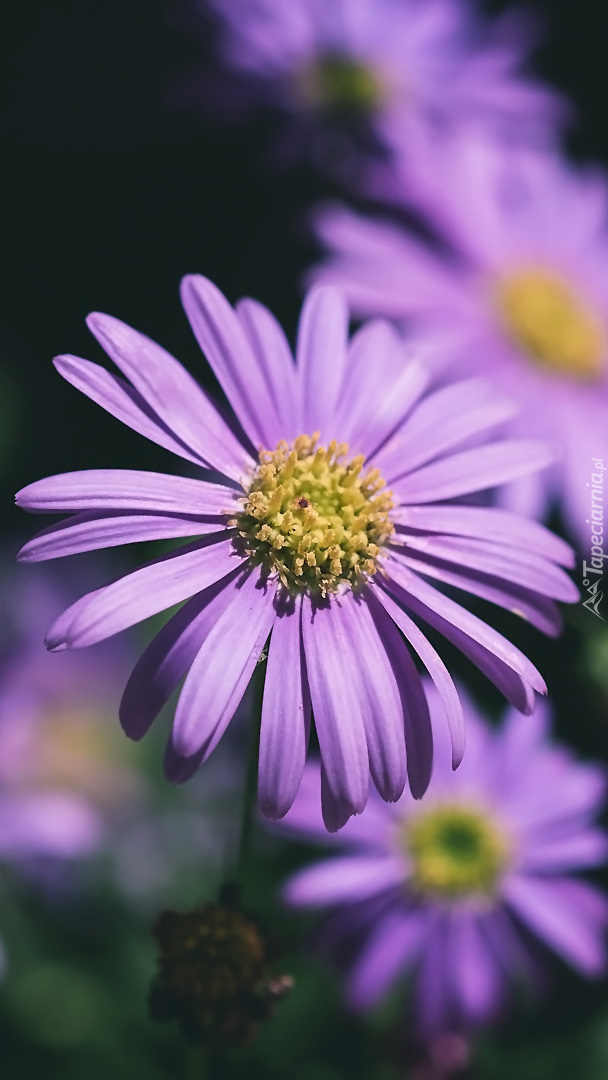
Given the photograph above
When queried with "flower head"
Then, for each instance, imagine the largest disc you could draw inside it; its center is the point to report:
(385, 62)
(335, 504)
(455, 887)
(65, 781)
(523, 278)
(214, 974)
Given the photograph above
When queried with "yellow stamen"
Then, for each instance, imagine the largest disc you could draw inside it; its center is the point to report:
(455, 851)
(339, 83)
(550, 321)
(316, 520)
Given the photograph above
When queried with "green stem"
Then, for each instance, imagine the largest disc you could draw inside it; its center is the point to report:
(196, 1066)
(249, 804)
(205, 1062)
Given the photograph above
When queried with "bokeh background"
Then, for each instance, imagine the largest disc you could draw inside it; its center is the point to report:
(114, 186)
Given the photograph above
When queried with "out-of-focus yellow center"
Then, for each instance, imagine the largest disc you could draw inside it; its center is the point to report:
(78, 749)
(455, 851)
(314, 518)
(340, 84)
(552, 323)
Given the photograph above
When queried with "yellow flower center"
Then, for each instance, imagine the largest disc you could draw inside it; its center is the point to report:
(340, 84)
(79, 750)
(455, 851)
(313, 518)
(552, 323)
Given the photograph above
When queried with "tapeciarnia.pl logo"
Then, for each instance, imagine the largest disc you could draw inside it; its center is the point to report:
(593, 570)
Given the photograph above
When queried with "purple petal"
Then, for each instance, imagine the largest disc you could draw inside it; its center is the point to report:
(563, 852)
(89, 532)
(474, 470)
(380, 421)
(123, 402)
(56, 639)
(539, 611)
(285, 716)
(489, 524)
(305, 820)
(416, 718)
(526, 569)
(235, 363)
(144, 592)
(390, 953)
(346, 880)
(276, 364)
(442, 421)
(126, 489)
(382, 385)
(567, 915)
(333, 678)
(335, 811)
(382, 697)
(172, 393)
(410, 585)
(512, 950)
(52, 823)
(434, 1013)
(223, 666)
(382, 271)
(438, 672)
(516, 690)
(582, 788)
(178, 769)
(477, 979)
(531, 495)
(321, 356)
(516, 743)
(168, 657)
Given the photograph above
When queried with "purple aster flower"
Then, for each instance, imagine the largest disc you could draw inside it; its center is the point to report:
(301, 539)
(456, 888)
(65, 783)
(70, 789)
(389, 62)
(524, 281)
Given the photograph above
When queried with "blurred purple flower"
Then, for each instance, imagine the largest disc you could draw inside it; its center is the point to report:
(392, 63)
(289, 540)
(455, 889)
(64, 780)
(524, 279)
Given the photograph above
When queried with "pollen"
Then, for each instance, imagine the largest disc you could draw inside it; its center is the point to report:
(546, 316)
(455, 851)
(314, 517)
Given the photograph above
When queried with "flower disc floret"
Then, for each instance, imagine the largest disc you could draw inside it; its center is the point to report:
(340, 84)
(455, 851)
(546, 317)
(314, 518)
